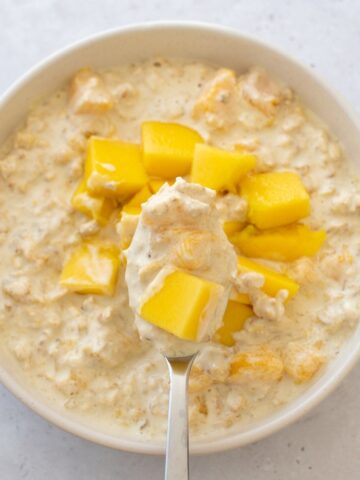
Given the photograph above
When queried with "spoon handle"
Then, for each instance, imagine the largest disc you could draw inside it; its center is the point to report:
(177, 447)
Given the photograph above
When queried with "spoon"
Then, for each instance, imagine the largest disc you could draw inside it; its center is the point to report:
(177, 445)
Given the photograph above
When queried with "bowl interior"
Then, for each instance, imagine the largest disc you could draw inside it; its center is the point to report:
(205, 43)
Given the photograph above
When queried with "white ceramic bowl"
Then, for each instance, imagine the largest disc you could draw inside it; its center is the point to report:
(206, 43)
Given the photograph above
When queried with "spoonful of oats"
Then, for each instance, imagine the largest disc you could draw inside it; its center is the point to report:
(180, 269)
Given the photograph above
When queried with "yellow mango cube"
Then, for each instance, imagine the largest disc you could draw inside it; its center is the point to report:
(234, 318)
(156, 184)
(282, 244)
(219, 169)
(262, 364)
(98, 208)
(133, 206)
(131, 209)
(181, 304)
(168, 148)
(232, 227)
(114, 168)
(126, 227)
(274, 281)
(275, 199)
(140, 197)
(240, 297)
(92, 268)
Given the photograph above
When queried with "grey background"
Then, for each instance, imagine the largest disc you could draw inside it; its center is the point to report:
(324, 34)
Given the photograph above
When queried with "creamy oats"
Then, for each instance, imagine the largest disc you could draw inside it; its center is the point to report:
(84, 351)
(179, 228)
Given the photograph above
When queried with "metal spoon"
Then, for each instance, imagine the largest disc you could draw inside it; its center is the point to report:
(177, 446)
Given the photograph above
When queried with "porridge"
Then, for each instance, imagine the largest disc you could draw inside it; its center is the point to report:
(164, 182)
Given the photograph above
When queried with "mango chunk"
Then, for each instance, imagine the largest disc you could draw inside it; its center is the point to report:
(92, 268)
(140, 197)
(181, 304)
(88, 93)
(133, 206)
(98, 208)
(232, 227)
(114, 168)
(216, 94)
(275, 199)
(282, 244)
(131, 209)
(240, 297)
(219, 169)
(274, 281)
(234, 318)
(126, 228)
(156, 184)
(168, 148)
(262, 364)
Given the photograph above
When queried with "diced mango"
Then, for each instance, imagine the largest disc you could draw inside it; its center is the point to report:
(180, 305)
(88, 93)
(275, 199)
(240, 297)
(274, 281)
(216, 94)
(114, 168)
(218, 169)
(140, 197)
(234, 318)
(168, 148)
(133, 206)
(261, 364)
(98, 208)
(92, 268)
(233, 227)
(131, 209)
(126, 228)
(283, 244)
(156, 184)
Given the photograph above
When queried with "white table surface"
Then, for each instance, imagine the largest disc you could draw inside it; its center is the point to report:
(324, 34)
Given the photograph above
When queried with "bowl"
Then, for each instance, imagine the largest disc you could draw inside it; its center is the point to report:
(216, 45)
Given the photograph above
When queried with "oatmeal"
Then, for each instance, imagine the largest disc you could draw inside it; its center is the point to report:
(72, 221)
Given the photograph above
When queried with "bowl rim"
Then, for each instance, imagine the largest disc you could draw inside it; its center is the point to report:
(197, 447)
